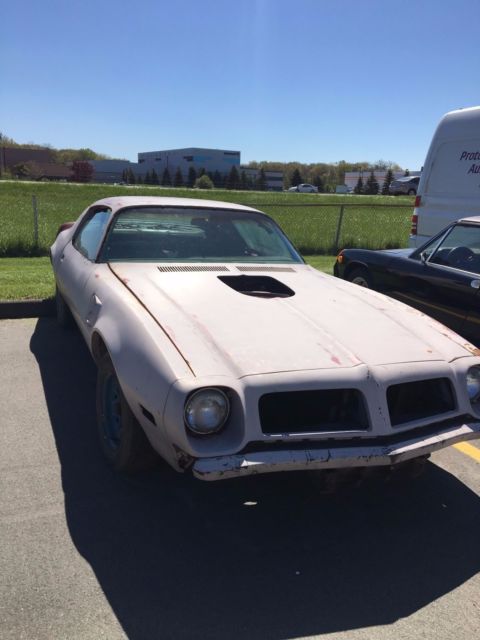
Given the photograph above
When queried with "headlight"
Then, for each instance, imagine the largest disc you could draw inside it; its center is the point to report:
(206, 411)
(473, 384)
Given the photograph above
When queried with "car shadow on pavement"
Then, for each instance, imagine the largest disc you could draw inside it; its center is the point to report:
(265, 557)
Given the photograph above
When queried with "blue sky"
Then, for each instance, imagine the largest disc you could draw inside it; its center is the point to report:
(305, 80)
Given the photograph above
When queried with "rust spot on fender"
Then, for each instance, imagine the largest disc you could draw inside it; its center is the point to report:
(473, 350)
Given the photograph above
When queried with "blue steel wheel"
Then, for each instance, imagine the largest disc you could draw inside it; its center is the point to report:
(122, 439)
(112, 412)
(63, 313)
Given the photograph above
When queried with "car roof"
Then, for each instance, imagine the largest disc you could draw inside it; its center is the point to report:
(406, 178)
(120, 202)
(474, 219)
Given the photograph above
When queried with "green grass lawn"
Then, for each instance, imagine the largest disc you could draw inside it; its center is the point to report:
(24, 278)
(27, 278)
(309, 219)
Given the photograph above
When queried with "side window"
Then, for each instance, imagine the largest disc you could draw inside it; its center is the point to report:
(460, 249)
(88, 239)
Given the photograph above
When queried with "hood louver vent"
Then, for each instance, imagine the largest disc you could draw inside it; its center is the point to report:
(277, 269)
(183, 268)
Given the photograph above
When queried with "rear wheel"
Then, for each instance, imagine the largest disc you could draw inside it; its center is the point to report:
(360, 276)
(63, 313)
(122, 439)
(412, 192)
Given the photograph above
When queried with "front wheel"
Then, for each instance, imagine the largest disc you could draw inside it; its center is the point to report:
(122, 439)
(360, 276)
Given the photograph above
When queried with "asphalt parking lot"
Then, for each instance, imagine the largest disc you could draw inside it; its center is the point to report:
(86, 553)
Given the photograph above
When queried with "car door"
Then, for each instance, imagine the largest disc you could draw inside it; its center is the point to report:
(77, 262)
(441, 280)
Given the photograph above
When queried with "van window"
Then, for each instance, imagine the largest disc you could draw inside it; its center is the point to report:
(456, 169)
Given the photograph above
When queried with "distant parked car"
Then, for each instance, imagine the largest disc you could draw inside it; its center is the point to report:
(304, 188)
(405, 186)
(440, 278)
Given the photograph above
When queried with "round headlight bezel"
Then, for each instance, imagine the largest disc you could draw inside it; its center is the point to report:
(197, 396)
(473, 387)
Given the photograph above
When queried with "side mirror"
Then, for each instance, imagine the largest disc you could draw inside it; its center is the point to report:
(423, 257)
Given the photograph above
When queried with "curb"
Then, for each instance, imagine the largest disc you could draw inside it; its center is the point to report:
(26, 309)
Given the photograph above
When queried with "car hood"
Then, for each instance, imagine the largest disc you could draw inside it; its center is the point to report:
(327, 323)
(398, 253)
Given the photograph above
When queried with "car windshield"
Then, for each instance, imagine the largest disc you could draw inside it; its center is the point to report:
(177, 234)
(459, 249)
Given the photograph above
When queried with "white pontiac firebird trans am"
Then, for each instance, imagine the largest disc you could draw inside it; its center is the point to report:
(219, 349)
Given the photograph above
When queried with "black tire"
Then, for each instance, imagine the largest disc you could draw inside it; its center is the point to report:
(63, 313)
(360, 276)
(122, 439)
(412, 192)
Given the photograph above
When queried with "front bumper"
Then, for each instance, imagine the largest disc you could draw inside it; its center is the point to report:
(333, 457)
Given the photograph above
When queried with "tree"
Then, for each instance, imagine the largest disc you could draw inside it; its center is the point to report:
(243, 181)
(204, 182)
(192, 176)
(148, 179)
(21, 170)
(261, 180)
(318, 182)
(139, 178)
(201, 172)
(166, 179)
(154, 177)
(232, 179)
(82, 171)
(371, 188)
(217, 179)
(407, 173)
(178, 179)
(387, 182)
(296, 178)
(359, 186)
(131, 177)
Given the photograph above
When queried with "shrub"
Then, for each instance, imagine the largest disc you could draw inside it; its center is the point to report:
(204, 182)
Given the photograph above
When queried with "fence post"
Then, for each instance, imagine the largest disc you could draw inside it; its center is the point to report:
(339, 227)
(35, 220)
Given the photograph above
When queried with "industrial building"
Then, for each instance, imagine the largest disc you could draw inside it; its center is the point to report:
(351, 177)
(217, 163)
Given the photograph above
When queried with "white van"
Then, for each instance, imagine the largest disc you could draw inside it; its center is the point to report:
(450, 182)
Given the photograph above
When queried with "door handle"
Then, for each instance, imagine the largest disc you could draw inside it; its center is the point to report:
(475, 284)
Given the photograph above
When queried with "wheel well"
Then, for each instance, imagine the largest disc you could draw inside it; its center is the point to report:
(352, 266)
(99, 348)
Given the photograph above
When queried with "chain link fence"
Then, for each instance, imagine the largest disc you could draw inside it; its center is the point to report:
(326, 228)
(29, 224)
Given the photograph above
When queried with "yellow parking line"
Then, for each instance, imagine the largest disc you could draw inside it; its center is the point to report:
(468, 450)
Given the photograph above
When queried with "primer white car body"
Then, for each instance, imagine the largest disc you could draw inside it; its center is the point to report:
(234, 357)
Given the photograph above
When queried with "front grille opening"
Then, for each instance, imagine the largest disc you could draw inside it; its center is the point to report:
(313, 411)
(420, 399)
(259, 286)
